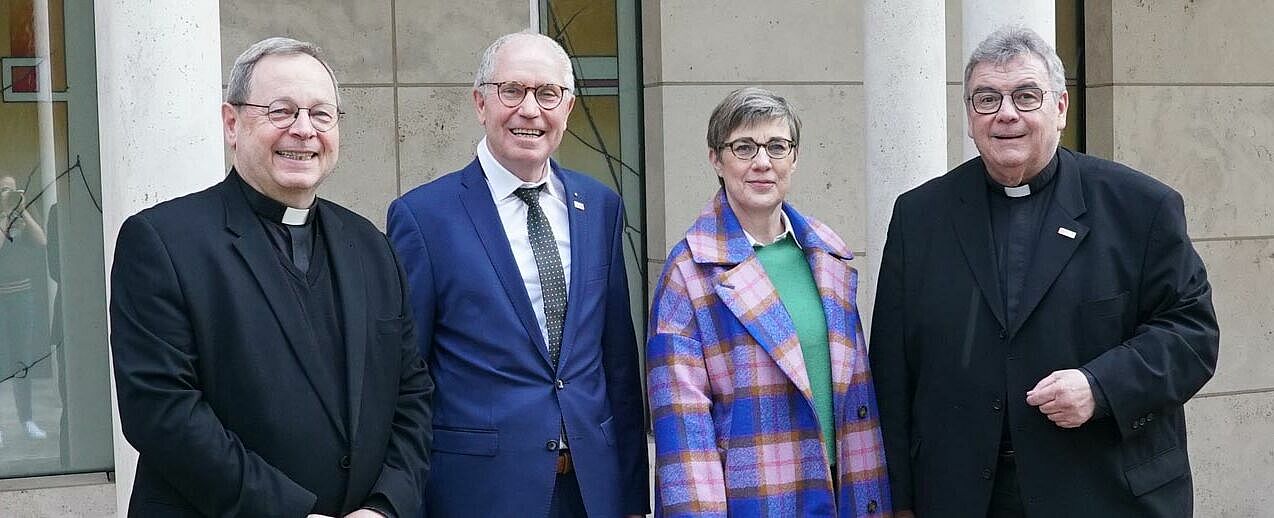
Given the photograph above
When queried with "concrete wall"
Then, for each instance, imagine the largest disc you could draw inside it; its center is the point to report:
(406, 71)
(1183, 90)
(697, 52)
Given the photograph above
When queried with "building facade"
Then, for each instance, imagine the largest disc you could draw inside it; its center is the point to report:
(111, 106)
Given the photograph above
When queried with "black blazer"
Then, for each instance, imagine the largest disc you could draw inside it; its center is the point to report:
(221, 391)
(1115, 287)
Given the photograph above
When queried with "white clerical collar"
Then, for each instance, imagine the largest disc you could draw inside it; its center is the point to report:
(503, 182)
(294, 217)
(787, 229)
(1019, 191)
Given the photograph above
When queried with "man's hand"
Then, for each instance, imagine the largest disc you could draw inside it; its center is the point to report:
(364, 513)
(904, 514)
(1065, 397)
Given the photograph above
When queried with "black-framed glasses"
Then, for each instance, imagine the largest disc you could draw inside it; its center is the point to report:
(1026, 99)
(512, 93)
(745, 148)
(283, 113)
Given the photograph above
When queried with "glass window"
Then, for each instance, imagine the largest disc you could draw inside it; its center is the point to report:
(604, 131)
(55, 413)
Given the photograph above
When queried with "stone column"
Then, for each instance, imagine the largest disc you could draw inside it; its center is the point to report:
(904, 55)
(159, 92)
(982, 17)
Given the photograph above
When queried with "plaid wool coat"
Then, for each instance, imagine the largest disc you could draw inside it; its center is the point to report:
(736, 432)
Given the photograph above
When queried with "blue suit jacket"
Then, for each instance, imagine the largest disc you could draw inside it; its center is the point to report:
(499, 401)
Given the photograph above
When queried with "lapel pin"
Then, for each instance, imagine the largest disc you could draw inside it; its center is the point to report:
(1066, 232)
(579, 205)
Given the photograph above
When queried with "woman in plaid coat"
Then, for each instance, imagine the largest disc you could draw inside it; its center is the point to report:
(759, 386)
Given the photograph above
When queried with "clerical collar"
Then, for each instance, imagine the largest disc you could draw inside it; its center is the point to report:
(1034, 186)
(270, 209)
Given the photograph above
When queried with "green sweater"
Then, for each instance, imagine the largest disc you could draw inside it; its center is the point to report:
(788, 270)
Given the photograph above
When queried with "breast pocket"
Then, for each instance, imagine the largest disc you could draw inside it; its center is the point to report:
(597, 273)
(392, 326)
(1102, 321)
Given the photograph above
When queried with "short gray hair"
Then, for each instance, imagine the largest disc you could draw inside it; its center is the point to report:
(1010, 42)
(486, 67)
(239, 88)
(745, 107)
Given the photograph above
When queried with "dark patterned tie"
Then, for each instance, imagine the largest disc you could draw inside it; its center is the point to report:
(549, 264)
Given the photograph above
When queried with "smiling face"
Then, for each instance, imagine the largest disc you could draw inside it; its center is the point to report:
(756, 188)
(285, 164)
(522, 138)
(1016, 145)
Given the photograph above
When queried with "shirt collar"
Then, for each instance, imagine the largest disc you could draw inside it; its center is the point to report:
(1036, 184)
(503, 182)
(787, 230)
(271, 209)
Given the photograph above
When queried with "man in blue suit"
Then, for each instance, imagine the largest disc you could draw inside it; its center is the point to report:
(519, 291)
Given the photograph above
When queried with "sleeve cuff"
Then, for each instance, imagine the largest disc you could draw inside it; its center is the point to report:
(1101, 405)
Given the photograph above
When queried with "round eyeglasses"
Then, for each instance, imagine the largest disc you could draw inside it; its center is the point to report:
(746, 148)
(283, 113)
(1024, 99)
(512, 93)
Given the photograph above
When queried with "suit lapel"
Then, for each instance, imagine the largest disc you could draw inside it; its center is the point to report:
(1053, 249)
(971, 221)
(351, 282)
(254, 246)
(476, 199)
(754, 301)
(581, 259)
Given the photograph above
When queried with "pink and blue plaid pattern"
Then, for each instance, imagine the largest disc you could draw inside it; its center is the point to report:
(736, 433)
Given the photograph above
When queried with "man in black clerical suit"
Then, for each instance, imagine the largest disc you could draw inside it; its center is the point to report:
(1040, 320)
(263, 346)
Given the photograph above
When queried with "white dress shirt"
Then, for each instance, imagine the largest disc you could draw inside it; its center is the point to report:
(513, 212)
(787, 229)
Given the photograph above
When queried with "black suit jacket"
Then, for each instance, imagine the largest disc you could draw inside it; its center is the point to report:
(1115, 287)
(220, 388)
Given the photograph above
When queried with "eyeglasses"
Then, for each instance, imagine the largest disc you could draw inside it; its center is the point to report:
(746, 148)
(512, 93)
(1024, 99)
(283, 114)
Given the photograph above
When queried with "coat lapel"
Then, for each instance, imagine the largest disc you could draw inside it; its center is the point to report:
(582, 258)
(971, 219)
(837, 283)
(254, 247)
(347, 271)
(476, 199)
(1053, 249)
(747, 291)
(751, 297)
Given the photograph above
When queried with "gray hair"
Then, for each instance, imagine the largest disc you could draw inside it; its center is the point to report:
(238, 89)
(1010, 42)
(486, 67)
(745, 107)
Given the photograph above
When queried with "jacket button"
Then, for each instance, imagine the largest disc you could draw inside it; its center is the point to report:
(551, 445)
(862, 412)
(996, 405)
(871, 506)
(986, 473)
(1004, 334)
(1150, 417)
(559, 384)
(346, 462)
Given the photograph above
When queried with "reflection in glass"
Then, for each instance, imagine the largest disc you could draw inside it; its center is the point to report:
(54, 375)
